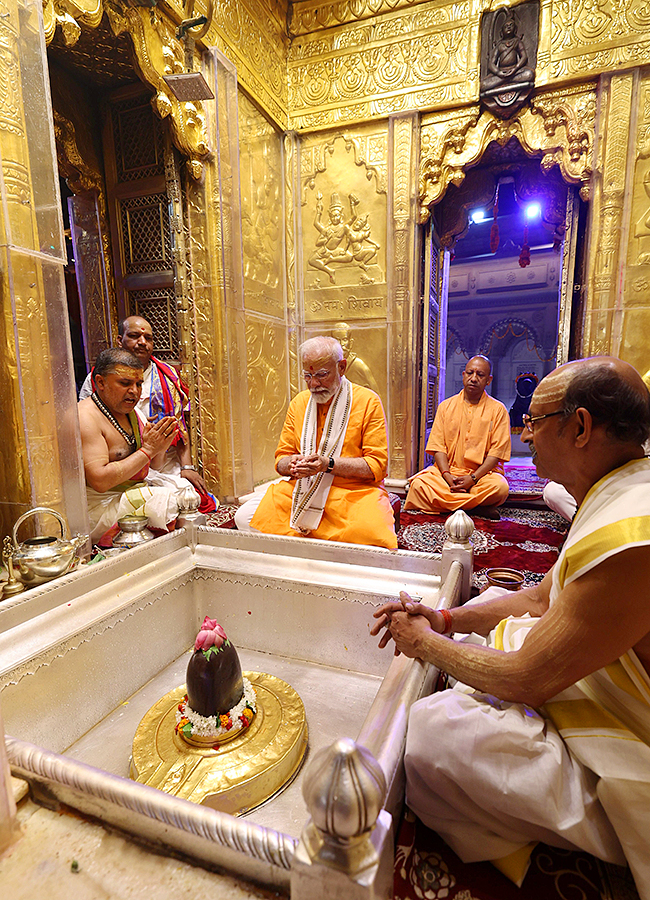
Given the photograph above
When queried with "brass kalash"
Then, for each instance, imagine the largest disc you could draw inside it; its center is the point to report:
(230, 741)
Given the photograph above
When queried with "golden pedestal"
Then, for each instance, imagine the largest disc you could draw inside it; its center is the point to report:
(233, 777)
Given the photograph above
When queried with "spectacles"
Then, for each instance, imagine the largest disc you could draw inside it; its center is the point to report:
(529, 421)
(319, 376)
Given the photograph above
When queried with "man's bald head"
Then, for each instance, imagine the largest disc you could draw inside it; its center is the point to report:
(136, 336)
(611, 390)
(477, 375)
(484, 359)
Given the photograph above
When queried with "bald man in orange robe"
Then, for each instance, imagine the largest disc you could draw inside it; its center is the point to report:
(470, 440)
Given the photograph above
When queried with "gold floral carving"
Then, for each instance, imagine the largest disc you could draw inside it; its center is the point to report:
(266, 369)
(559, 124)
(158, 52)
(590, 38)
(313, 15)
(252, 34)
(402, 295)
(395, 62)
(291, 157)
(603, 320)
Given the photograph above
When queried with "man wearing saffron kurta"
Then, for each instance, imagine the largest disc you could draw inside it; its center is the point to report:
(333, 453)
(470, 440)
(546, 734)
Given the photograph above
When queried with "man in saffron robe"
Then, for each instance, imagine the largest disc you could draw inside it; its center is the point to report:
(546, 734)
(163, 394)
(333, 453)
(470, 440)
(118, 448)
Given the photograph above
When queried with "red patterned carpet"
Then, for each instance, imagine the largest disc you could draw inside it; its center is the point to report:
(524, 539)
(427, 869)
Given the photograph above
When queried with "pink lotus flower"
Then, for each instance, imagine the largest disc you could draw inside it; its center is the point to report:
(210, 635)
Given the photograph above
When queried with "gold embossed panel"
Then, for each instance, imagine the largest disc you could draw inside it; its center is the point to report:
(413, 58)
(344, 179)
(261, 186)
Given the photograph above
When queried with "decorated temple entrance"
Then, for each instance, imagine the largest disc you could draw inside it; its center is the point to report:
(503, 271)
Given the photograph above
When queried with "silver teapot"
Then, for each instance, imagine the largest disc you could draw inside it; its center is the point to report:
(41, 558)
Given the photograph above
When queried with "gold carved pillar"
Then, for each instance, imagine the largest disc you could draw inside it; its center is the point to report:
(610, 215)
(41, 446)
(617, 319)
(403, 299)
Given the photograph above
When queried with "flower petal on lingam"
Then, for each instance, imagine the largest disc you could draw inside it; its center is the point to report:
(210, 635)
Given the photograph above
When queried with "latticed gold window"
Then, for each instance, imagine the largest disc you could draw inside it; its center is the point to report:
(139, 193)
(145, 233)
(138, 140)
(158, 307)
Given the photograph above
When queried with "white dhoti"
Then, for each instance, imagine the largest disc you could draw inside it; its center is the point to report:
(490, 777)
(156, 502)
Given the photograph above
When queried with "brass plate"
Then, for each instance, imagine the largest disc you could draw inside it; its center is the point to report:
(238, 775)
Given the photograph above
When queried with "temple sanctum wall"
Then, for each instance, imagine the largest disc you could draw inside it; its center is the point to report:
(351, 117)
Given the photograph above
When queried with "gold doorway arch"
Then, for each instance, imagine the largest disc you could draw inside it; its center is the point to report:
(559, 124)
(157, 52)
(559, 127)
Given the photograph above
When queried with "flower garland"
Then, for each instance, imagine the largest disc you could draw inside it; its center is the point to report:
(192, 724)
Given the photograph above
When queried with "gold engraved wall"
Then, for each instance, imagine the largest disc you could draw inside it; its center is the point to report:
(265, 308)
(355, 60)
(41, 431)
(356, 281)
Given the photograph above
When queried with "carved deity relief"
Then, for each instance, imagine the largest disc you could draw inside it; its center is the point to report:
(508, 57)
(344, 228)
(343, 241)
(642, 226)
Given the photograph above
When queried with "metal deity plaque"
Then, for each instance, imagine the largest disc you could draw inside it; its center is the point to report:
(509, 38)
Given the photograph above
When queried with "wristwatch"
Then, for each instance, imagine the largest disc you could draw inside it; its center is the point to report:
(330, 465)
(193, 468)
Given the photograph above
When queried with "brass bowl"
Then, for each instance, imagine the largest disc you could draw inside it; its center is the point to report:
(510, 579)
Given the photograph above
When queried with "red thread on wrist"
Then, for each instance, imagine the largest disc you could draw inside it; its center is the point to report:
(145, 453)
(446, 615)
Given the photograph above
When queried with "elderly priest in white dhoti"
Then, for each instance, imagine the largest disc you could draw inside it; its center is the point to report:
(333, 453)
(546, 735)
(118, 447)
